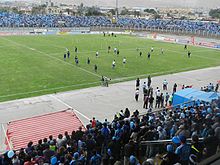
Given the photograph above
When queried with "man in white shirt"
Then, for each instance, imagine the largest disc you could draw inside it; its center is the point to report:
(115, 50)
(157, 92)
(113, 64)
(152, 49)
(124, 61)
(97, 54)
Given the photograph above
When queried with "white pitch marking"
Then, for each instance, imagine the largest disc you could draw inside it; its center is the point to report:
(67, 105)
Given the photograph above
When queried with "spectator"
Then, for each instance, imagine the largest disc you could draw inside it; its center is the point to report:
(183, 151)
(210, 144)
(29, 161)
(127, 113)
(115, 148)
(93, 122)
(197, 148)
(133, 160)
(95, 159)
(183, 131)
(79, 134)
(47, 153)
(129, 150)
(170, 157)
(60, 141)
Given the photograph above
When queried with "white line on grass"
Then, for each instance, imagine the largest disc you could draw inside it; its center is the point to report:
(193, 54)
(67, 105)
(155, 73)
(5, 46)
(48, 55)
(48, 89)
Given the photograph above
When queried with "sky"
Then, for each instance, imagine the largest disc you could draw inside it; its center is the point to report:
(143, 3)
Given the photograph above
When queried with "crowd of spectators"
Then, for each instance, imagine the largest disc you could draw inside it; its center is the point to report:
(119, 141)
(23, 20)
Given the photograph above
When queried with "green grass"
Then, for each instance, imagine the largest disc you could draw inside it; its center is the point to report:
(34, 65)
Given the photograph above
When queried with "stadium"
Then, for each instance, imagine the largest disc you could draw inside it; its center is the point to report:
(99, 89)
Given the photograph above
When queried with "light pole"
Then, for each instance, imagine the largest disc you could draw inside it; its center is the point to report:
(116, 10)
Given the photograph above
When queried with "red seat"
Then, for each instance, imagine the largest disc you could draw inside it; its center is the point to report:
(20, 132)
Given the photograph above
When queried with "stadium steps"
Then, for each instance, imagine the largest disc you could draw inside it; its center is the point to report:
(21, 132)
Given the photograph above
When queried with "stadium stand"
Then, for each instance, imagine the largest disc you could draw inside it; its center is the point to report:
(22, 20)
(128, 138)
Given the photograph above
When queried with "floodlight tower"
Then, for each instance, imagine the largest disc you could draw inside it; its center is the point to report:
(116, 10)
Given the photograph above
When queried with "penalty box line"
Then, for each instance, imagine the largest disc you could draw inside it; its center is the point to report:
(48, 55)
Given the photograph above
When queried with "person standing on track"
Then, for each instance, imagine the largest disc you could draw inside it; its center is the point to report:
(137, 94)
(167, 96)
(151, 101)
(149, 81)
(165, 83)
(174, 87)
(146, 100)
(137, 83)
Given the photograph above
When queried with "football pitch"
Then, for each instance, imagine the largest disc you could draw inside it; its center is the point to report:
(34, 65)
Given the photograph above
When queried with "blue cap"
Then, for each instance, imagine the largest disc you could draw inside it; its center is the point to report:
(109, 152)
(209, 110)
(113, 138)
(132, 159)
(182, 138)
(176, 140)
(76, 155)
(170, 148)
